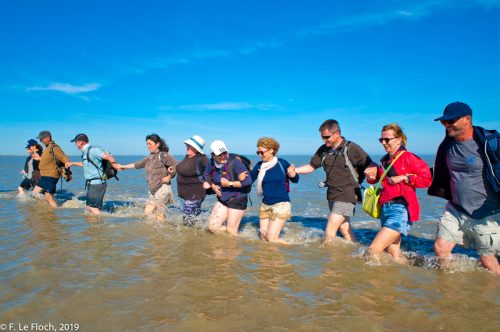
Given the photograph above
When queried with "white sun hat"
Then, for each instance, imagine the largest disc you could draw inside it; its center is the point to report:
(196, 142)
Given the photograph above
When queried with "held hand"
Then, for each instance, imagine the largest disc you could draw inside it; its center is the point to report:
(206, 185)
(68, 164)
(371, 173)
(242, 176)
(291, 171)
(397, 179)
(36, 156)
(166, 179)
(224, 182)
(217, 190)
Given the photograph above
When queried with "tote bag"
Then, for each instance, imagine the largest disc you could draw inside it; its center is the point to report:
(371, 195)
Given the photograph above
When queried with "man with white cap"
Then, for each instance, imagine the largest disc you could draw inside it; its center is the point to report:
(466, 173)
(228, 176)
(190, 179)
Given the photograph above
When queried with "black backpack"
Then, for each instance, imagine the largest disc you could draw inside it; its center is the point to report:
(64, 172)
(106, 169)
(232, 176)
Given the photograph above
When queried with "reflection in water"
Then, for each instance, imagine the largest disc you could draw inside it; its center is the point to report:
(126, 272)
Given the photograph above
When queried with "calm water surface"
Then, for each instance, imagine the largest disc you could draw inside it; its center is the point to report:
(123, 272)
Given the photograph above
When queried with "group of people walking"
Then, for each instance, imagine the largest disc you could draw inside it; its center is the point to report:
(466, 173)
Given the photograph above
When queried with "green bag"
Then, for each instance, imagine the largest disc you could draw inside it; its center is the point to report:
(371, 195)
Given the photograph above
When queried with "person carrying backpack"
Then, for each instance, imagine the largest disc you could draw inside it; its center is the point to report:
(93, 171)
(344, 163)
(467, 175)
(227, 175)
(273, 175)
(190, 179)
(51, 165)
(160, 170)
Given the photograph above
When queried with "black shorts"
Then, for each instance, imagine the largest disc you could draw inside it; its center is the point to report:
(27, 184)
(237, 203)
(48, 184)
(95, 195)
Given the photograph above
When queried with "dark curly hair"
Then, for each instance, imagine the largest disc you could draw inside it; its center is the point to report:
(157, 139)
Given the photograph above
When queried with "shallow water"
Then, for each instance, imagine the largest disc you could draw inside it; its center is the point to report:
(123, 272)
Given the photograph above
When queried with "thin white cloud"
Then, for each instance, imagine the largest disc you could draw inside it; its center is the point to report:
(67, 88)
(223, 106)
(386, 13)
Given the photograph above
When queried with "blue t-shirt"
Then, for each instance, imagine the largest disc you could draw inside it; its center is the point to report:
(274, 187)
(218, 173)
(470, 189)
(89, 170)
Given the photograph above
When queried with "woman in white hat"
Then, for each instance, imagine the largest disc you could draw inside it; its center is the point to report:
(227, 175)
(190, 178)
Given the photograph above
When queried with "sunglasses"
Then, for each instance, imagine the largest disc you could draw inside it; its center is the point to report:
(386, 140)
(260, 153)
(328, 137)
(449, 122)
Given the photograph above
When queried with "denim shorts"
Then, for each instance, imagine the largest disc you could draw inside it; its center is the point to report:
(395, 217)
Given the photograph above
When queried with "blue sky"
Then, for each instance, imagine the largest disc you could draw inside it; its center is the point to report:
(239, 70)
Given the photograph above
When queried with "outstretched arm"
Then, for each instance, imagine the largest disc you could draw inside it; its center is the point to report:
(305, 169)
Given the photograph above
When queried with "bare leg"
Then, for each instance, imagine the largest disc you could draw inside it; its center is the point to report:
(264, 225)
(383, 240)
(442, 249)
(490, 263)
(149, 209)
(50, 199)
(274, 230)
(233, 220)
(217, 218)
(334, 222)
(346, 230)
(93, 210)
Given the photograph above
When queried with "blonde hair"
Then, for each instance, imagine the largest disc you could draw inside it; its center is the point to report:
(398, 132)
(269, 143)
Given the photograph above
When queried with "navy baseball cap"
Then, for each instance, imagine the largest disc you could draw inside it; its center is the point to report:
(80, 137)
(454, 111)
(30, 143)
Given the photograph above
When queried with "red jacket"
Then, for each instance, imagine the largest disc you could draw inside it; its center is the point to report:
(420, 177)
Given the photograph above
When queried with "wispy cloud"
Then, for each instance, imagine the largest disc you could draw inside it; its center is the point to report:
(67, 88)
(223, 106)
(386, 13)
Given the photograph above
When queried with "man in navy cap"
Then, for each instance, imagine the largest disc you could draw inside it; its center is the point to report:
(92, 163)
(466, 174)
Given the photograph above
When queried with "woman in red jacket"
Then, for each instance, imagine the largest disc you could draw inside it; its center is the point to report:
(398, 199)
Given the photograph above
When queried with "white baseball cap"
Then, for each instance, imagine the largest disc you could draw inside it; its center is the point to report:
(196, 142)
(218, 147)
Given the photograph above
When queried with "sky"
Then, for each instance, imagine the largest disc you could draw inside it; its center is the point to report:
(240, 70)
